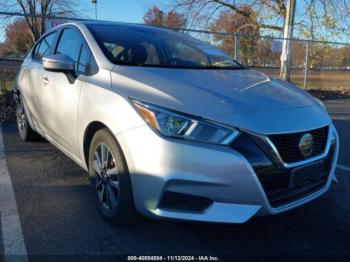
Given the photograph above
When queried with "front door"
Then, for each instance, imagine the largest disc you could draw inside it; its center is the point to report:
(60, 98)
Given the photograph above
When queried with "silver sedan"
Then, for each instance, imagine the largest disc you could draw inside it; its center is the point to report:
(170, 127)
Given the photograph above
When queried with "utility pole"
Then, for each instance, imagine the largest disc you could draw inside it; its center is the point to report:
(287, 43)
(95, 2)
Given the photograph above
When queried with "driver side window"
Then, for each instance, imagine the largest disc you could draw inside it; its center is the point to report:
(70, 44)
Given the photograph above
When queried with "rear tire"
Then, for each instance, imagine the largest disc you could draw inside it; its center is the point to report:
(25, 132)
(111, 180)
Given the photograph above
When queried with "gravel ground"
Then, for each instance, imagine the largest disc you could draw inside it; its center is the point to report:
(330, 94)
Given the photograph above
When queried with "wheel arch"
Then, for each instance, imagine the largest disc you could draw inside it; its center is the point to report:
(89, 133)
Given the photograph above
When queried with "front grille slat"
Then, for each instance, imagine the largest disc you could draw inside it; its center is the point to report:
(290, 192)
(278, 190)
(295, 194)
(285, 185)
(287, 144)
(277, 186)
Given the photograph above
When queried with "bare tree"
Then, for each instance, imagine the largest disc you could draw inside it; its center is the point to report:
(36, 10)
(320, 18)
(313, 19)
(230, 22)
(324, 19)
(207, 10)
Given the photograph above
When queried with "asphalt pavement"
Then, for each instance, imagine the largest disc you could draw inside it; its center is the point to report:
(58, 215)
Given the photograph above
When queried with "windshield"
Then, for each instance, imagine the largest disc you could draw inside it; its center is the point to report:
(154, 47)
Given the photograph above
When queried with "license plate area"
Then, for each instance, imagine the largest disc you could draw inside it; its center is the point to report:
(305, 174)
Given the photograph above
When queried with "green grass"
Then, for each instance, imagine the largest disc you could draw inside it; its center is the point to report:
(318, 79)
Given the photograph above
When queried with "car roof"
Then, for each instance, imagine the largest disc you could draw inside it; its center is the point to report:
(92, 23)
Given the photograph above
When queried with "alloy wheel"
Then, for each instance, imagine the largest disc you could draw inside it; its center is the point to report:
(106, 177)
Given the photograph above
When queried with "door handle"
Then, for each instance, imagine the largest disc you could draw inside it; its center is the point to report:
(45, 80)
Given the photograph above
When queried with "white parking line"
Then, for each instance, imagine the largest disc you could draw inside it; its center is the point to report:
(345, 168)
(11, 229)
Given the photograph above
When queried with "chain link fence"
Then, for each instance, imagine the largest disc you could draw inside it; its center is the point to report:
(314, 64)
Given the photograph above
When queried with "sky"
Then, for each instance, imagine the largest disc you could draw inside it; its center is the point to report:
(123, 10)
(134, 10)
(131, 11)
(112, 10)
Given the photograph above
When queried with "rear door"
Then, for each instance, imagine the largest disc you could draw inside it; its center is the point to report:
(30, 78)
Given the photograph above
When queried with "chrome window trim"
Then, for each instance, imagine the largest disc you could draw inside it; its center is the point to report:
(277, 155)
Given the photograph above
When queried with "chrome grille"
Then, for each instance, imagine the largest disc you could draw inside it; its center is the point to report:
(279, 190)
(287, 144)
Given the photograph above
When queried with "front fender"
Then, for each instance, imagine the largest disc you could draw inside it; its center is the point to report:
(99, 103)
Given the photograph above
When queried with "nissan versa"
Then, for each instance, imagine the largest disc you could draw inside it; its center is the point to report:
(170, 127)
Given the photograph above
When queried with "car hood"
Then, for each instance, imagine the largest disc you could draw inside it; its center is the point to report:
(210, 93)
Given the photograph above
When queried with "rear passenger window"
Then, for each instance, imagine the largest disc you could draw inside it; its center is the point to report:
(43, 47)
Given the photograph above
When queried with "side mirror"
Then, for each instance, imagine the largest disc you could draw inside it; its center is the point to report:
(60, 63)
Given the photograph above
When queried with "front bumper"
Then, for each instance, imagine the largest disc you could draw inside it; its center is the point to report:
(221, 174)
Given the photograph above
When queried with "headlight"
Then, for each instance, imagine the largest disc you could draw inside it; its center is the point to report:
(174, 124)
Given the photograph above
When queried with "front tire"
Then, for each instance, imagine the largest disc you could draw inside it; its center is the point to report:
(111, 180)
(25, 132)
